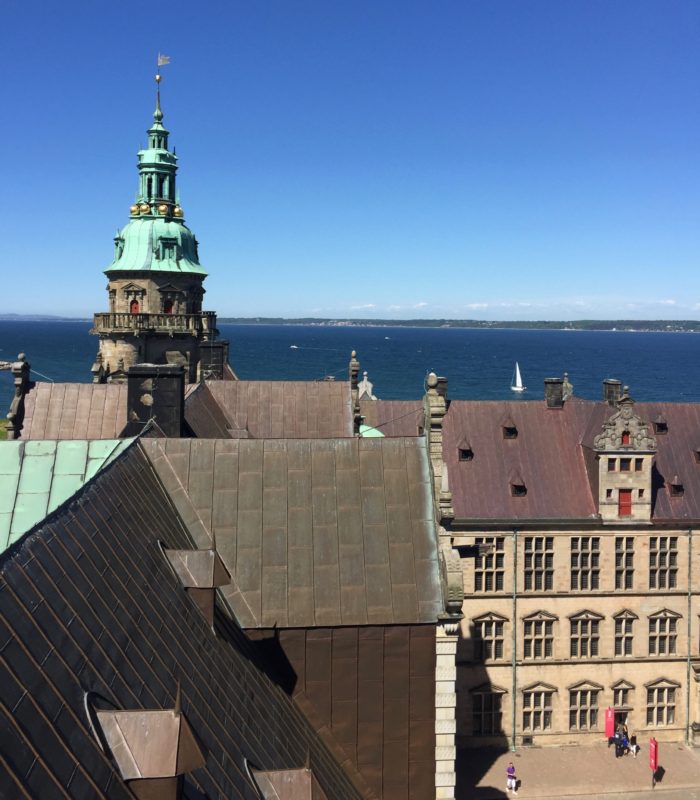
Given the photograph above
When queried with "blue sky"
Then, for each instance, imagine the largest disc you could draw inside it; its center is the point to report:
(492, 159)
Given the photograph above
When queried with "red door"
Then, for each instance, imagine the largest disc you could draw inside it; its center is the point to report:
(624, 503)
(134, 307)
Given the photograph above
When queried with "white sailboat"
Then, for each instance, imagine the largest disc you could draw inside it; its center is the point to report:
(516, 385)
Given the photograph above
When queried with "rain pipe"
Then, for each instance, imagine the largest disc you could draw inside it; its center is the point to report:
(514, 641)
(690, 630)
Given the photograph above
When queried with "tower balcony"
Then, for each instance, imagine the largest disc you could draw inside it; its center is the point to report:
(202, 325)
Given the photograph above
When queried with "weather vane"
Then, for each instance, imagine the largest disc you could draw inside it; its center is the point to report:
(161, 62)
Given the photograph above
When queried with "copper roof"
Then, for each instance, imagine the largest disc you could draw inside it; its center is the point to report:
(74, 411)
(545, 454)
(393, 417)
(89, 603)
(285, 409)
(314, 532)
(204, 415)
(553, 457)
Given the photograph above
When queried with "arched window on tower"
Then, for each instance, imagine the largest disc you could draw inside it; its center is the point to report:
(149, 186)
(134, 307)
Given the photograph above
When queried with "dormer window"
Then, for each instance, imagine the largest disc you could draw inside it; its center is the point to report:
(697, 455)
(510, 431)
(168, 249)
(518, 488)
(660, 426)
(676, 487)
(466, 454)
(625, 438)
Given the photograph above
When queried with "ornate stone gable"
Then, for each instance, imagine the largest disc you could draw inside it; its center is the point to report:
(625, 430)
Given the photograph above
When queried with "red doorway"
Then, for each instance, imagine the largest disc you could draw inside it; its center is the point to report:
(134, 307)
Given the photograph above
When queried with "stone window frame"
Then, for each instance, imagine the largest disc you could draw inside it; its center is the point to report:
(624, 704)
(660, 702)
(538, 706)
(585, 563)
(584, 634)
(663, 562)
(494, 641)
(584, 705)
(623, 634)
(624, 562)
(492, 714)
(663, 628)
(538, 564)
(491, 565)
(538, 628)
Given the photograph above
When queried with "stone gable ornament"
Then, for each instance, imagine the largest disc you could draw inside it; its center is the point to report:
(625, 430)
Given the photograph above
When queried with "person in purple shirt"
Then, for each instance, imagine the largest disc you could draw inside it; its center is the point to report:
(511, 780)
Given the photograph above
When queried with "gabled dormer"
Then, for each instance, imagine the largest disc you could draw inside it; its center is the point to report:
(625, 452)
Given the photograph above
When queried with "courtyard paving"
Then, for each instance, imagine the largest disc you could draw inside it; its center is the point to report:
(586, 772)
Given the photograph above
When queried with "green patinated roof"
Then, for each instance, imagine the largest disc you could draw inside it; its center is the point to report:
(368, 432)
(38, 476)
(141, 246)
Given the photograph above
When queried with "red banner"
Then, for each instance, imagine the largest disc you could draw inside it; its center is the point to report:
(653, 754)
(609, 722)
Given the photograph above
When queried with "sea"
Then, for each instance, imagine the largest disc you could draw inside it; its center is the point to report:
(478, 363)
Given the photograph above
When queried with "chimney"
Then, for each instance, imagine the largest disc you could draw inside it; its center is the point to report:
(213, 359)
(554, 392)
(612, 391)
(156, 393)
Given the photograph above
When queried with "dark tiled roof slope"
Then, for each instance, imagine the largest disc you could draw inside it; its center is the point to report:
(286, 409)
(74, 411)
(551, 453)
(89, 603)
(393, 417)
(315, 532)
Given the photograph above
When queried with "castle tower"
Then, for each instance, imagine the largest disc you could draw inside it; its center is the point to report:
(155, 280)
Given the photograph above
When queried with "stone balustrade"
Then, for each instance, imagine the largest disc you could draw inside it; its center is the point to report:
(202, 324)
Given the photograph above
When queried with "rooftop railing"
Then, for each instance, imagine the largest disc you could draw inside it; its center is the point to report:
(203, 323)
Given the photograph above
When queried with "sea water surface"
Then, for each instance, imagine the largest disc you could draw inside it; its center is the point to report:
(478, 363)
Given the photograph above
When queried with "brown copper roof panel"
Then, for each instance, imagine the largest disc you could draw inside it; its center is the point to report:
(286, 409)
(393, 417)
(89, 603)
(204, 415)
(74, 411)
(546, 454)
(315, 532)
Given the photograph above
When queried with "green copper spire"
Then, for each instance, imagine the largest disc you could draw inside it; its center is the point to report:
(156, 238)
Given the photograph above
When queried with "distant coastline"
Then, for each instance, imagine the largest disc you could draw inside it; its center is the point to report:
(635, 325)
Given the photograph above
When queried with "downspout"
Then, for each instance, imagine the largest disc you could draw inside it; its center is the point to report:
(687, 671)
(514, 641)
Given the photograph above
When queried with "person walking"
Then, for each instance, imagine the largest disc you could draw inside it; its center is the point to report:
(511, 780)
